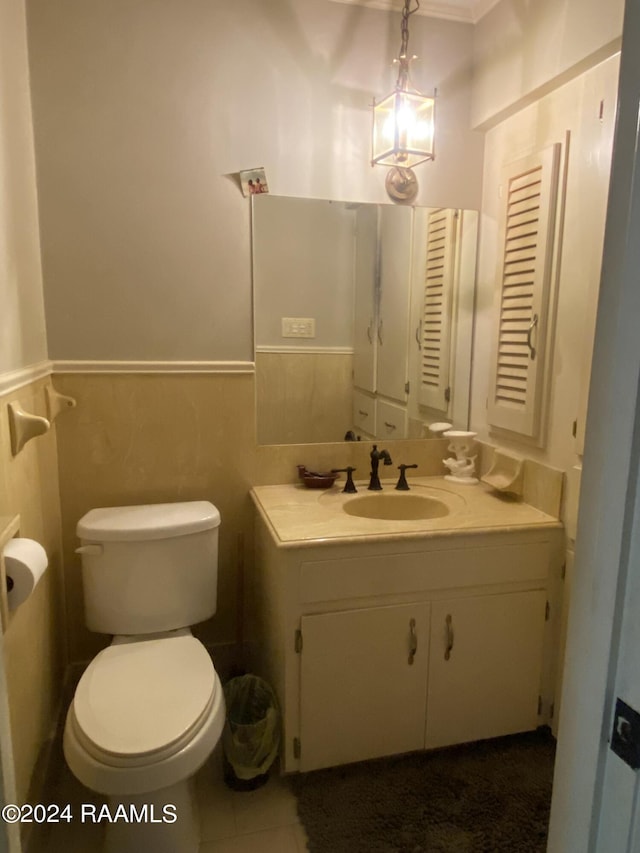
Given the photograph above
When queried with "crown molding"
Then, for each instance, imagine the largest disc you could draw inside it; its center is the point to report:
(464, 11)
(481, 7)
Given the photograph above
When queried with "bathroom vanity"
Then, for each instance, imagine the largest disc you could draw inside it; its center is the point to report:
(393, 622)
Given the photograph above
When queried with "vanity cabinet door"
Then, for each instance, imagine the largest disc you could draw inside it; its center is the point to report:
(362, 691)
(485, 667)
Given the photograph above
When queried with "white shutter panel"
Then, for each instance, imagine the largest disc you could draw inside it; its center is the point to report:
(435, 343)
(527, 232)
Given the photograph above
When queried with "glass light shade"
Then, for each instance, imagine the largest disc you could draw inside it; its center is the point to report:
(403, 129)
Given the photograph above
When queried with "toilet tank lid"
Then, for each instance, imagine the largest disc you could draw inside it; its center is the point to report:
(151, 521)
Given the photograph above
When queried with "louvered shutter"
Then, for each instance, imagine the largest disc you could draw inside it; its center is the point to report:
(435, 338)
(527, 233)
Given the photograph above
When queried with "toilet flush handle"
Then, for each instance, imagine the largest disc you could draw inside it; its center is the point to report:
(93, 550)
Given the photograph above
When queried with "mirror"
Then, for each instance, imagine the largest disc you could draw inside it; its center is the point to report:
(363, 319)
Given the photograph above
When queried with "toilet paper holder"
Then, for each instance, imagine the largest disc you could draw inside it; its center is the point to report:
(25, 562)
(9, 527)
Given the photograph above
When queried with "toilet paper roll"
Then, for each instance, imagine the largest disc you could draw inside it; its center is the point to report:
(25, 561)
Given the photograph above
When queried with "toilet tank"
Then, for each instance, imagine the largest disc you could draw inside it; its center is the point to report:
(149, 568)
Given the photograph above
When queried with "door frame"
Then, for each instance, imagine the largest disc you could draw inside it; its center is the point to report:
(10, 839)
(607, 491)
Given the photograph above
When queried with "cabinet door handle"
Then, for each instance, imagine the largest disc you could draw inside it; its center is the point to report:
(413, 641)
(380, 333)
(450, 637)
(369, 332)
(390, 425)
(532, 325)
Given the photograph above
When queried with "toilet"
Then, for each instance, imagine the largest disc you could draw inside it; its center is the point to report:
(149, 709)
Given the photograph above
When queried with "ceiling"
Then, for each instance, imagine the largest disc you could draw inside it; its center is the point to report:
(469, 11)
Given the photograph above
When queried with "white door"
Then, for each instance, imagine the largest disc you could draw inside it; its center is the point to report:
(362, 690)
(584, 810)
(619, 825)
(393, 322)
(9, 832)
(365, 308)
(485, 665)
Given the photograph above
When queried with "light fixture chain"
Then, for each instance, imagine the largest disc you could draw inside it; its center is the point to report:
(403, 58)
(404, 26)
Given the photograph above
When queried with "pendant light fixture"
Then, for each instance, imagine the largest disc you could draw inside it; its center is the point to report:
(404, 121)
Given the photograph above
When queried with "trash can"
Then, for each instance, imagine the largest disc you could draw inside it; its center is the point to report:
(251, 735)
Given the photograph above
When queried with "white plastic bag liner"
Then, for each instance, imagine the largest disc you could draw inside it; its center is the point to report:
(251, 735)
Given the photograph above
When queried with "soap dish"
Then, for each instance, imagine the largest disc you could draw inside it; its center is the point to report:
(506, 473)
(316, 479)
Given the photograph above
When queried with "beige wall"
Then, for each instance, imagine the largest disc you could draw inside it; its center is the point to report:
(34, 642)
(524, 49)
(22, 326)
(147, 439)
(34, 639)
(157, 437)
(142, 110)
(303, 397)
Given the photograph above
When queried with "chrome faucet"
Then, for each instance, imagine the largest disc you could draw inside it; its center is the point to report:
(376, 456)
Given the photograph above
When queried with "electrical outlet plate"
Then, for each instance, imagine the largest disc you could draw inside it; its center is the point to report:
(298, 327)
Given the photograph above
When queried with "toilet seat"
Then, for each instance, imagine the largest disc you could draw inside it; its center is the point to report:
(143, 698)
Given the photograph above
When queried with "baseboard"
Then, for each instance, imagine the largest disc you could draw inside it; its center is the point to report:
(44, 773)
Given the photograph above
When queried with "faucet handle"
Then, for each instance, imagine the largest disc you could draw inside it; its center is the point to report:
(349, 485)
(402, 485)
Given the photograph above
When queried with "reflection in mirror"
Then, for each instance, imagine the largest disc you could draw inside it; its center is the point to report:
(363, 319)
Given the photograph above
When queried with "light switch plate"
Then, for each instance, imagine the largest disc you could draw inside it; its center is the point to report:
(298, 327)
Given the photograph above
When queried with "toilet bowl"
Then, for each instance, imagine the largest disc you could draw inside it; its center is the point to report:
(146, 714)
(149, 709)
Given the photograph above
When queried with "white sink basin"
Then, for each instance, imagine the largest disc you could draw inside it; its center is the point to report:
(396, 507)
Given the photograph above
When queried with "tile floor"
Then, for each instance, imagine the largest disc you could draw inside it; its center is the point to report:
(261, 821)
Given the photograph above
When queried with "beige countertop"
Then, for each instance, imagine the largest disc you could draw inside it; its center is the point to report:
(298, 516)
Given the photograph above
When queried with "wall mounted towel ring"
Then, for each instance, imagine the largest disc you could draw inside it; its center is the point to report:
(24, 426)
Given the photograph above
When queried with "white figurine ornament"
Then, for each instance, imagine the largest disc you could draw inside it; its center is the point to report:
(462, 466)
